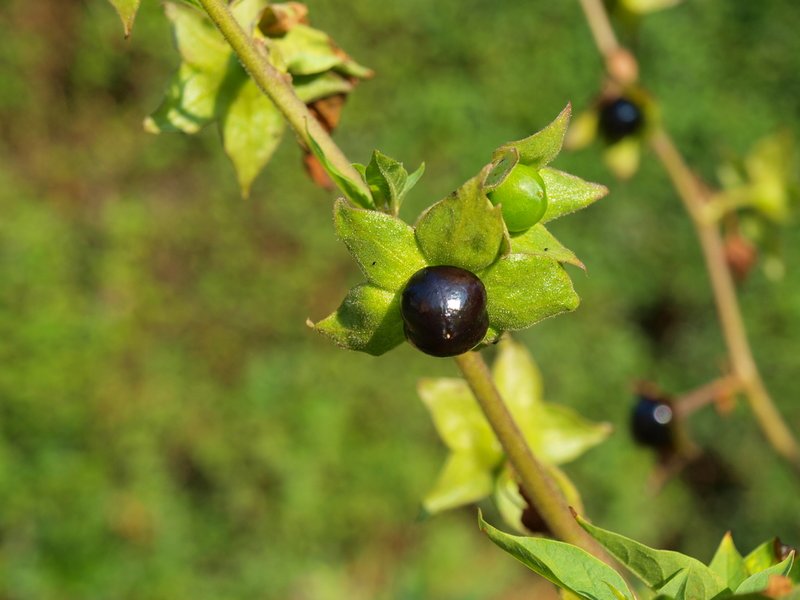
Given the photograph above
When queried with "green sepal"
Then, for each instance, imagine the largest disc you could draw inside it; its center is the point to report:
(383, 245)
(306, 51)
(623, 157)
(675, 588)
(198, 41)
(565, 565)
(350, 188)
(252, 128)
(657, 567)
(126, 9)
(761, 557)
(368, 320)
(540, 242)
(463, 480)
(463, 230)
(758, 582)
(542, 147)
(523, 289)
(728, 563)
(567, 194)
(389, 181)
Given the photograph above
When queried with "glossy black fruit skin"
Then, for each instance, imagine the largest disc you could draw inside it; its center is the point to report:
(620, 118)
(444, 310)
(651, 421)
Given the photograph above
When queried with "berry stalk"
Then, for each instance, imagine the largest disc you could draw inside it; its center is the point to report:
(536, 481)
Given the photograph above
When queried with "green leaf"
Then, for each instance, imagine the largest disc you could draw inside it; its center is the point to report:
(189, 104)
(320, 85)
(657, 567)
(523, 289)
(458, 419)
(542, 147)
(462, 481)
(762, 557)
(383, 245)
(388, 181)
(728, 563)
(126, 9)
(198, 41)
(567, 566)
(349, 187)
(368, 320)
(251, 128)
(675, 588)
(567, 193)
(413, 178)
(463, 230)
(306, 51)
(758, 581)
(539, 241)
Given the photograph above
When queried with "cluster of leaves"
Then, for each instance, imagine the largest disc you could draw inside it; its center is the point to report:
(476, 466)
(523, 274)
(767, 572)
(211, 86)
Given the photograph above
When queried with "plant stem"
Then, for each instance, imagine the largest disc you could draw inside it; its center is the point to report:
(536, 481)
(277, 86)
(694, 200)
(690, 402)
(730, 316)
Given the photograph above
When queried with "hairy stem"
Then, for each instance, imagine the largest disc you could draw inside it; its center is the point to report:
(277, 86)
(694, 200)
(536, 481)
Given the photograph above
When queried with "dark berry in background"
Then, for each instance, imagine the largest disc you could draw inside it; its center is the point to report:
(651, 422)
(620, 118)
(444, 310)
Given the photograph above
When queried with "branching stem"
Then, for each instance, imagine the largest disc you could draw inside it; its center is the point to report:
(694, 198)
(277, 86)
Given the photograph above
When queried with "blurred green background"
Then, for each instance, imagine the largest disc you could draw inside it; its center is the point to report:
(169, 427)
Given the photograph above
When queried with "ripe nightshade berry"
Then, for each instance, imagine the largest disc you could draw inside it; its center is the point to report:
(522, 198)
(651, 421)
(444, 310)
(620, 118)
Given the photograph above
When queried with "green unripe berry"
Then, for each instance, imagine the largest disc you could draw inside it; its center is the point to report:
(522, 198)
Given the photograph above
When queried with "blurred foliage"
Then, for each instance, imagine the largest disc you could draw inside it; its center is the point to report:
(170, 428)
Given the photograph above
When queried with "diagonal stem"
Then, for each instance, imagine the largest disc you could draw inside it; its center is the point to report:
(536, 481)
(277, 86)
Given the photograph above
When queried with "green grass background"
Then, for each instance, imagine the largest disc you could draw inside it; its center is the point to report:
(169, 427)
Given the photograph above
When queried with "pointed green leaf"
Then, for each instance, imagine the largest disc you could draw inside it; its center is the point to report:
(538, 240)
(657, 567)
(126, 9)
(675, 588)
(567, 566)
(758, 582)
(320, 85)
(728, 563)
(251, 128)
(523, 289)
(383, 245)
(413, 178)
(368, 320)
(189, 104)
(463, 230)
(542, 147)
(463, 480)
(458, 419)
(762, 557)
(350, 188)
(567, 193)
(517, 377)
(386, 179)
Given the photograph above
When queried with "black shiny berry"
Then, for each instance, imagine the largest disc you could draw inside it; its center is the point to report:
(444, 310)
(620, 118)
(651, 423)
